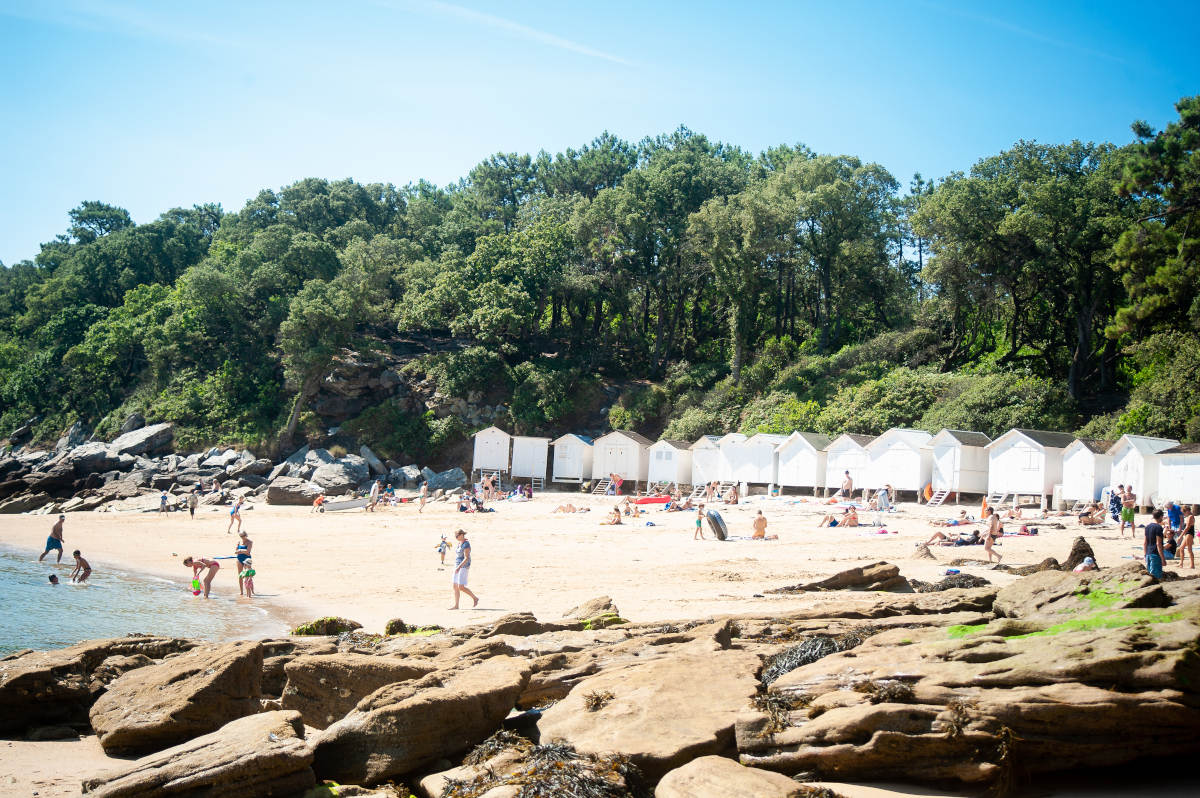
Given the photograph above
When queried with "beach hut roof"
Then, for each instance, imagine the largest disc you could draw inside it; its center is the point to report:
(1093, 445)
(1183, 448)
(815, 440)
(684, 445)
(707, 442)
(1052, 440)
(915, 437)
(966, 438)
(733, 437)
(769, 437)
(530, 438)
(1144, 444)
(861, 440)
(581, 438)
(491, 429)
(631, 435)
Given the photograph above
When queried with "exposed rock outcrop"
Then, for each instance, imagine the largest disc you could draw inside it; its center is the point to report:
(324, 688)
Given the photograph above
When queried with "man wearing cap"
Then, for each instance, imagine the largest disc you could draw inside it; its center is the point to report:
(55, 540)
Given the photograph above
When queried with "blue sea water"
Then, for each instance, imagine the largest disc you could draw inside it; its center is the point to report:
(35, 614)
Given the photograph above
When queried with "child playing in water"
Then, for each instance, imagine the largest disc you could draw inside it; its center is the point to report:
(247, 576)
(442, 548)
(82, 570)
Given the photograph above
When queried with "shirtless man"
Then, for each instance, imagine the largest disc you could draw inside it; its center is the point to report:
(1127, 511)
(55, 540)
(760, 528)
(847, 490)
(201, 564)
(994, 531)
(82, 570)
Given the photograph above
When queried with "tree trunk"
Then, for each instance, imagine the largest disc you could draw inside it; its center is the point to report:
(289, 431)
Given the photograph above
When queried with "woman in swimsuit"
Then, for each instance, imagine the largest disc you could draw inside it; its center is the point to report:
(995, 530)
(236, 514)
(198, 565)
(243, 555)
(1187, 535)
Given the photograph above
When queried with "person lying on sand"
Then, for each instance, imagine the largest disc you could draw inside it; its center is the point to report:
(962, 519)
(570, 508)
(961, 539)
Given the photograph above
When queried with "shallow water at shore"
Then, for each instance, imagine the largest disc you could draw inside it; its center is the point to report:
(111, 603)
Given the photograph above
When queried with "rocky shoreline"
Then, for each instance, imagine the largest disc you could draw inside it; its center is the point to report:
(980, 687)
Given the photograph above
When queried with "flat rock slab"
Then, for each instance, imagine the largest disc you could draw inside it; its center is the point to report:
(718, 775)
(42, 688)
(180, 698)
(257, 756)
(324, 688)
(407, 726)
(661, 713)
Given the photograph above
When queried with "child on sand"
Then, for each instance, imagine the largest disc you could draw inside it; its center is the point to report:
(82, 570)
(442, 548)
(699, 524)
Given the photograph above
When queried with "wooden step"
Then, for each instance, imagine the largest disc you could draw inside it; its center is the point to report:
(938, 497)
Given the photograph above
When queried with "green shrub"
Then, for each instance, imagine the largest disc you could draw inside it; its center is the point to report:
(692, 424)
(780, 413)
(476, 368)
(638, 408)
(547, 394)
(898, 399)
(1163, 402)
(995, 403)
(392, 431)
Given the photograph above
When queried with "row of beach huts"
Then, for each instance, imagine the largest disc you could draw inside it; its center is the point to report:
(1019, 463)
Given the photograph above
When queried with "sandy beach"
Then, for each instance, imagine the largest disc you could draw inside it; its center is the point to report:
(376, 566)
(372, 567)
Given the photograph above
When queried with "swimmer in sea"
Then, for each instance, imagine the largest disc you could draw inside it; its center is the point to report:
(82, 570)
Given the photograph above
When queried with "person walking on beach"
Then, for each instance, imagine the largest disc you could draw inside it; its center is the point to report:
(699, 524)
(193, 501)
(236, 514)
(1153, 547)
(201, 564)
(424, 496)
(162, 503)
(1127, 512)
(376, 486)
(55, 540)
(462, 568)
(995, 530)
(82, 570)
(242, 552)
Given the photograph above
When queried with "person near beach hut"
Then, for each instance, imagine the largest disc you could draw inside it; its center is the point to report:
(994, 531)
(462, 568)
(846, 491)
(1187, 535)
(1127, 512)
(203, 564)
(55, 540)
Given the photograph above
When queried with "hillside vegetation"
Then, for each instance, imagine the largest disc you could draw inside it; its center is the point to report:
(680, 285)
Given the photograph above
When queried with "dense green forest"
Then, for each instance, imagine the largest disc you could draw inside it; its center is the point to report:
(1051, 286)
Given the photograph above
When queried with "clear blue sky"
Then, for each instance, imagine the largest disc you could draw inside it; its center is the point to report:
(151, 105)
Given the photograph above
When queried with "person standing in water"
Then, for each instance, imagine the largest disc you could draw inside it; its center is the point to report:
(202, 564)
(55, 540)
(245, 544)
(462, 568)
(82, 569)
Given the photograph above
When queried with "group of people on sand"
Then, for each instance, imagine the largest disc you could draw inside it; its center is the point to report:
(209, 566)
(972, 536)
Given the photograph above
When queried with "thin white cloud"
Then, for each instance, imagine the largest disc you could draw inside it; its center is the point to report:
(521, 31)
(1028, 34)
(110, 17)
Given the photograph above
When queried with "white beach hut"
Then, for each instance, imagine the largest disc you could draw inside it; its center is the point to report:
(801, 460)
(670, 462)
(960, 461)
(1087, 468)
(573, 458)
(1026, 462)
(1135, 463)
(624, 453)
(848, 452)
(761, 466)
(706, 460)
(491, 450)
(1179, 473)
(900, 458)
(735, 457)
(529, 457)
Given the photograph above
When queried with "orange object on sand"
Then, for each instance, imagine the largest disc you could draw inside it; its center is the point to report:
(928, 492)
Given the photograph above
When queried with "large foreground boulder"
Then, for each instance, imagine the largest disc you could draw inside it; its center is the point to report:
(407, 726)
(42, 688)
(151, 440)
(290, 490)
(324, 688)
(718, 775)
(180, 698)
(261, 755)
(660, 713)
